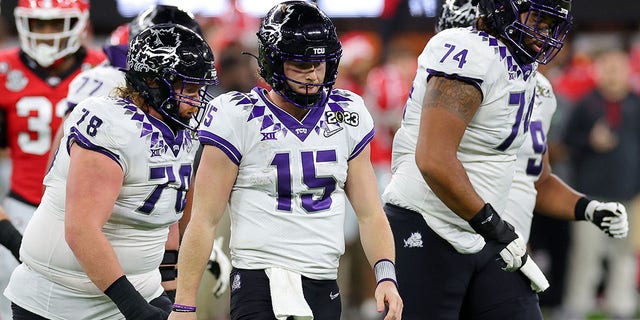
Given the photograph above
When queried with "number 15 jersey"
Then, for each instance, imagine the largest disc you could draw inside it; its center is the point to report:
(287, 206)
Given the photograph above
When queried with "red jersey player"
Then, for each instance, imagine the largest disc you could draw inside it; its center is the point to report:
(34, 80)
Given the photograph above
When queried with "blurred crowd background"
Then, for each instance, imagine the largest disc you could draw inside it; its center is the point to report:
(596, 74)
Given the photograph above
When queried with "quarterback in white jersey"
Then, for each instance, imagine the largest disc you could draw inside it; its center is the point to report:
(119, 180)
(307, 159)
(284, 160)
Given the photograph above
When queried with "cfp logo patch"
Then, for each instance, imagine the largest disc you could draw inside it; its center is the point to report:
(347, 117)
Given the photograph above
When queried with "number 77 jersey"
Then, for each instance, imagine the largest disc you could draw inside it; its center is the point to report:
(288, 203)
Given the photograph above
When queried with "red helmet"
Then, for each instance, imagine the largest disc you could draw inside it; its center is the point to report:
(120, 36)
(46, 48)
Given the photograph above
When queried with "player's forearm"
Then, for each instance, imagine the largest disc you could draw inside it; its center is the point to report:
(449, 181)
(95, 254)
(192, 261)
(377, 239)
(556, 199)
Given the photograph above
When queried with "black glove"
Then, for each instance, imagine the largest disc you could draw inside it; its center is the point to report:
(610, 217)
(131, 303)
(490, 226)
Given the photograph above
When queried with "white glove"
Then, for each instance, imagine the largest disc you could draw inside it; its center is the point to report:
(220, 267)
(610, 217)
(514, 255)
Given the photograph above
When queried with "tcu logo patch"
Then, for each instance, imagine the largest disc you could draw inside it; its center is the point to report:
(318, 50)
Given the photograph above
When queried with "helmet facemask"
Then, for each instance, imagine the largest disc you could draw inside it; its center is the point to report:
(47, 48)
(543, 26)
(536, 29)
(174, 87)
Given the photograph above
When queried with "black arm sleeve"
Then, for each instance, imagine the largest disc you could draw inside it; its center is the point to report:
(10, 237)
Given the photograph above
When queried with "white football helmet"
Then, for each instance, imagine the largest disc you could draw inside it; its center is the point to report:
(46, 48)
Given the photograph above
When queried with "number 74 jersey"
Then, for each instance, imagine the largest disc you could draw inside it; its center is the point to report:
(491, 140)
(288, 202)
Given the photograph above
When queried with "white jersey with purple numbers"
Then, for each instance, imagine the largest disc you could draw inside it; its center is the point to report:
(491, 140)
(288, 203)
(522, 196)
(157, 167)
(94, 82)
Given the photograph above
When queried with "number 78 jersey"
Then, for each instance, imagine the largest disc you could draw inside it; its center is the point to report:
(491, 140)
(157, 168)
(288, 203)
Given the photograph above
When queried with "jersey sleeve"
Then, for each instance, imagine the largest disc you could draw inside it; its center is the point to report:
(458, 54)
(360, 121)
(95, 125)
(220, 128)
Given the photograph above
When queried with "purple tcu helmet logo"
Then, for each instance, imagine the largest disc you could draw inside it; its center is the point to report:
(158, 50)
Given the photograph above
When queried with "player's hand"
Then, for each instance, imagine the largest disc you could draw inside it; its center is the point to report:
(491, 227)
(610, 217)
(220, 267)
(514, 255)
(387, 294)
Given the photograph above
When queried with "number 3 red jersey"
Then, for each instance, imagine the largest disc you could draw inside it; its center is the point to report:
(34, 104)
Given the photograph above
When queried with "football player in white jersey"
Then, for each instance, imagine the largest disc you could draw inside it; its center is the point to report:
(102, 79)
(454, 161)
(119, 180)
(554, 198)
(283, 160)
(533, 172)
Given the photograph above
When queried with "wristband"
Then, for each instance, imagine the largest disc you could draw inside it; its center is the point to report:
(581, 208)
(183, 308)
(128, 300)
(385, 270)
(170, 257)
(168, 273)
(490, 226)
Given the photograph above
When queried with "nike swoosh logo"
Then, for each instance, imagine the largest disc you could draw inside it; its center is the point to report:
(332, 295)
(328, 134)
